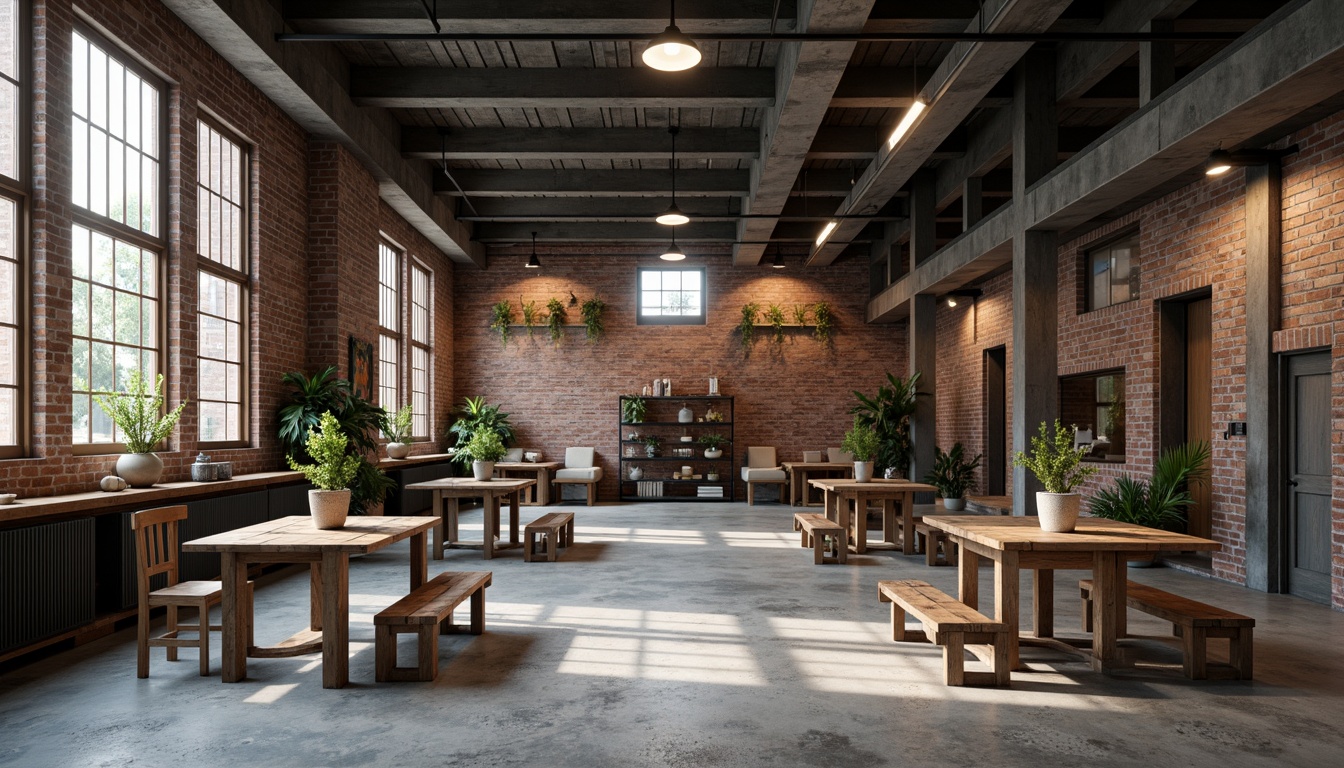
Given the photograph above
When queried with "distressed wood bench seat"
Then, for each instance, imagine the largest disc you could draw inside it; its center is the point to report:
(948, 622)
(816, 529)
(1191, 621)
(428, 612)
(590, 484)
(929, 541)
(555, 530)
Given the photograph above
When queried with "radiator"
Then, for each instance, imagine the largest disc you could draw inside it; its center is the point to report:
(46, 581)
(404, 502)
(289, 500)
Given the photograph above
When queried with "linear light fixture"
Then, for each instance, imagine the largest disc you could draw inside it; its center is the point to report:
(907, 120)
(826, 232)
(671, 50)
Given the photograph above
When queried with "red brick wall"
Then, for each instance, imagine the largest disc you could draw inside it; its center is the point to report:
(796, 398)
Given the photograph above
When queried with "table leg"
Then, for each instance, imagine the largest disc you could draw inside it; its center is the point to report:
(515, 500)
(419, 565)
(499, 503)
(1043, 601)
(889, 521)
(315, 596)
(1006, 600)
(828, 504)
(234, 644)
(968, 577)
(335, 619)
(908, 524)
(454, 506)
(543, 487)
(1107, 581)
(489, 526)
(860, 521)
(443, 524)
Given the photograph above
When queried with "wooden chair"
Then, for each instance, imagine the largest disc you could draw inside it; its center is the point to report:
(156, 552)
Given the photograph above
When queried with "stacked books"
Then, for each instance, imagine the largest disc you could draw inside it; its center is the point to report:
(649, 488)
(709, 491)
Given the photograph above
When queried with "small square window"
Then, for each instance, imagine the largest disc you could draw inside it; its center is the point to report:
(1113, 273)
(671, 296)
(1095, 404)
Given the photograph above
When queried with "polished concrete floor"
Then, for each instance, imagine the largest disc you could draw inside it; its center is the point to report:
(686, 635)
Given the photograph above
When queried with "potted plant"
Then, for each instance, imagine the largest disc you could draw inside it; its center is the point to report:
(136, 414)
(1058, 465)
(555, 319)
(474, 415)
(633, 410)
(591, 313)
(399, 433)
(501, 317)
(888, 413)
(862, 442)
(485, 448)
(712, 442)
(651, 443)
(332, 471)
(529, 315)
(822, 321)
(1160, 501)
(774, 316)
(747, 327)
(952, 475)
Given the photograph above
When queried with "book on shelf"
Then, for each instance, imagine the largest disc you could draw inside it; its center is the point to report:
(709, 491)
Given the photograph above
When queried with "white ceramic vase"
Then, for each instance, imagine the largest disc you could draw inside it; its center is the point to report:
(954, 505)
(636, 474)
(1058, 512)
(140, 470)
(398, 450)
(863, 471)
(329, 508)
(713, 453)
(482, 470)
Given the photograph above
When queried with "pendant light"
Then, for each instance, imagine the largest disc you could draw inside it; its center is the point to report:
(673, 253)
(778, 263)
(534, 263)
(671, 51)
(673, 217)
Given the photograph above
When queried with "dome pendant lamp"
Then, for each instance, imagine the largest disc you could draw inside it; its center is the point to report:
(673, 217)
(534, 262)
(671, 51)
(673, 253)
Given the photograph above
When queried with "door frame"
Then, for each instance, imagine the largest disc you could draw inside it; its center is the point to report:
(996, 450)
(1280, 530)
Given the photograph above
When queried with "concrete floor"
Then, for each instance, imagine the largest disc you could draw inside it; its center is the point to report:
(685, 635)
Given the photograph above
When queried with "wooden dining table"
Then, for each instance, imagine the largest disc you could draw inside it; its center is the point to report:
(296, 540)
(800, 470)
(538, 495)
(1018, 543)
(448, 493)
(840, 495)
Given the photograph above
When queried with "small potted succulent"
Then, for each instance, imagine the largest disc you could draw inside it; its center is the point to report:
(651, 443)
(713, 443)
(399, 433)
(1058, 465)
(952, 475)
(332, 471)
(136, 412)
(485, 448)
(861, 441)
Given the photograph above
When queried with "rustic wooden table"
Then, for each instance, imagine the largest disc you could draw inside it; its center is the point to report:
(540, 494)
(492, 492)
(1017, 543)
(839, 495)
(295, 540)
(798, 476)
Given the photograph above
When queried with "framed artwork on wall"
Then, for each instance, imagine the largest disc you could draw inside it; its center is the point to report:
(361, 368)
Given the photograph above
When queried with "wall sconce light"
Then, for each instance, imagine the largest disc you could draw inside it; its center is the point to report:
(952, 297)
(1221, 161)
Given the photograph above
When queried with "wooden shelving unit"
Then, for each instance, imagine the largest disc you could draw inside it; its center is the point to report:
(662, 421)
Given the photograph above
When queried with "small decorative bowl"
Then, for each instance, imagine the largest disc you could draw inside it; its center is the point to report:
(8, 498)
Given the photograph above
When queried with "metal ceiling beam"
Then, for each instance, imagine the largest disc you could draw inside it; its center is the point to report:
(577, 143)
(596, 183)
(560, 88)
(1181, 35)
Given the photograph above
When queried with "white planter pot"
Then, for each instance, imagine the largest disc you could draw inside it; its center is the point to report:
(482, 470)
(863, 471)
(140, 470)
(713, 453)
(398, 450)
(329, 508)
(1058, 512)
(954, 505)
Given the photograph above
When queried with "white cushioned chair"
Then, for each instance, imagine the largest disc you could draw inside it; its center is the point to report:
(761, 468)
(513, 454)
(580, 469)
(837, 455)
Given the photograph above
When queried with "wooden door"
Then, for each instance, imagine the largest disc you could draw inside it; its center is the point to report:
(1199, 403)
(996, 417)
(1307, 470)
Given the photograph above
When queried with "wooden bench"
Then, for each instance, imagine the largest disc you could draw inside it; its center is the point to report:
(560, 482)
(816, 528)
(1191, 621)
(955, 626)
(928, 542)
(428, 612)
(555, 530)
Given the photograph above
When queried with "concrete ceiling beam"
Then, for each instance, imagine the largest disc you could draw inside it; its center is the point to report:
(594, 183)
(600, 144)
(1083, 65)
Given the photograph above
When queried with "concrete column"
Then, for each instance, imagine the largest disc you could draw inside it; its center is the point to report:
(924, 359)
(1157, 63)
(923, 199)
(972, 202)
(1264, 478)
(1035, 129)
(1035, 350)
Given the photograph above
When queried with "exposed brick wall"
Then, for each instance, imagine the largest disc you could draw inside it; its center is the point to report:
(795, 398)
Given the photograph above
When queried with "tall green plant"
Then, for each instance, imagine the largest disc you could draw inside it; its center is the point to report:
(888, 413)
(952, 473)
(1054, 460)
(136, 413)
(1162, 500)
(332, 469)
(475, 415)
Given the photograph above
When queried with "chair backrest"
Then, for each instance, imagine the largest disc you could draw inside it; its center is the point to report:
(578, 458)
(835, 454)
(811, 457)
(761, 456)
(156, 544)
(513, 454)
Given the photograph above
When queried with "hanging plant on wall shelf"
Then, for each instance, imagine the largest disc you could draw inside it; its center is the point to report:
(748, 325)
(501, 319)
(774, 315)
(529, 315)
(823, 320)
(555, 320)
(800, 313)
(591, 312)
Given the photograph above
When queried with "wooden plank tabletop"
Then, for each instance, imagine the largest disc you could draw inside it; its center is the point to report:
(297, 534)
(497, 485)
(520, 465)
(818, 465)
(838, 485)
(1092, 534)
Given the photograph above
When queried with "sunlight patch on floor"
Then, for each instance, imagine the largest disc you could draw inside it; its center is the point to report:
(760, 539)
(591, 534)
(270, 694)
(680, 660)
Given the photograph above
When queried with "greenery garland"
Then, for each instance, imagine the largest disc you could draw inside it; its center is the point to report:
(555, 320)
(591, 312)
(747, 327)
(501, 319)
(823, 320)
